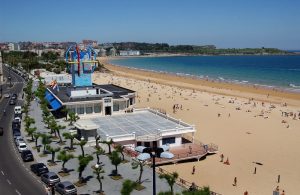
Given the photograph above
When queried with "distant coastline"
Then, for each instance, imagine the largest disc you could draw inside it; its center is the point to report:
(211, 85)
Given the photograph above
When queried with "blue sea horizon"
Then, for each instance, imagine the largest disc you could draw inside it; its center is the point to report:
(282, 72)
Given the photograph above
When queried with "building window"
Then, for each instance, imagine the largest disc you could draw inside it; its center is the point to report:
(80, 110)
(97, 108)
(88, 109)
(107, 100)
(116, 106)
(168, 140)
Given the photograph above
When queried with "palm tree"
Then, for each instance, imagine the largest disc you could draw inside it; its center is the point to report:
(30, 132)
(53, 151)
(73, 117)
(65, 157)
(28, 121)
(57, 129)
(36, 136)
(81, 144)
(171, 179)
(139, 163)
(108, 143)
(127, 187)
(99, 151)
(83, 162)
(65, 111)
(71, 137)
(45, 141)
(115, 160)
(98, 171)
(120, 149)
(204, 191)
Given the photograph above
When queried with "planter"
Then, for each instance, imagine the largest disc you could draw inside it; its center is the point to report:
(63, 174)
(79, 184)
(116, 177)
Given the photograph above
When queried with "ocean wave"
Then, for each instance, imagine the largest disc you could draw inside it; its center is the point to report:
(294, 86)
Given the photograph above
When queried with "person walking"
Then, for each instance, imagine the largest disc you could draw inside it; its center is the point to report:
(48, 190)
(235, 181)
(194, 169)
(222, 157)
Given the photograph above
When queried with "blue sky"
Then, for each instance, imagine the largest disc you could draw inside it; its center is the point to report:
(224, 23)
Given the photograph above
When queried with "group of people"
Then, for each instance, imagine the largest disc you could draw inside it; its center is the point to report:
(176, 107)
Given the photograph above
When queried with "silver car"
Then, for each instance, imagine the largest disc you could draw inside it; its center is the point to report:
(50, 178)
(65, 187)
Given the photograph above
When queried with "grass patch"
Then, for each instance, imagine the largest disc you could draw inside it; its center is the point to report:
(116, 177)
(63, 174)
(125, 161)
(51, 164)
(79, 184)
(139, 187)
(43, 155)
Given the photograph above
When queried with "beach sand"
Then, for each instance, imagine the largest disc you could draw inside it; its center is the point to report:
(246, 131)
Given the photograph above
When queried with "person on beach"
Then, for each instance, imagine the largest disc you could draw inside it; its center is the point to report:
(283, 193)
(194, 169)
(246, 192)
(235, 181)
(222, 157)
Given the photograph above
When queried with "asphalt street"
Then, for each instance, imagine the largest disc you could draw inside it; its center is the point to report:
(15, 175)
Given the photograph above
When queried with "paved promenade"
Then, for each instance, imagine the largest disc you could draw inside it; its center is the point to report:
(110, 187)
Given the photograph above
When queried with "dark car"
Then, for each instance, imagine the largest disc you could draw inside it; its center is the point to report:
(12, 102)
(15, 124)
(18, 115)
(1, 131)
(14, 96)
(39, 168)
(50, 178)
(16, 133)
(65, 187)
(26, 155)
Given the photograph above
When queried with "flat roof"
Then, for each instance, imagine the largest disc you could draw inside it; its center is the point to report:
(141, 122)
(117, 91)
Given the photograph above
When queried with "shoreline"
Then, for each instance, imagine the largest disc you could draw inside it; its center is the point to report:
(273, 95)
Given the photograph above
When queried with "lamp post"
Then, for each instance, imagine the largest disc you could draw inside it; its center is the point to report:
(154, 152)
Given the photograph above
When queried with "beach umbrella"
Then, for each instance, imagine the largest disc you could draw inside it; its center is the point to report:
(168, 155)
(139, 149)
(143, 156)
(165, 147)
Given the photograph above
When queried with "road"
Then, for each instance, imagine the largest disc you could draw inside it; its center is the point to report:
(15, 176)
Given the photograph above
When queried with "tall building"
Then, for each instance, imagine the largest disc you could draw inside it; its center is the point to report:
(13, 47)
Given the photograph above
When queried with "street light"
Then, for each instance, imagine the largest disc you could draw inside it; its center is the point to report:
(154, 152)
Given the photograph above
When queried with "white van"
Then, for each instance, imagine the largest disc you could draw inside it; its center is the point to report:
(18, 110)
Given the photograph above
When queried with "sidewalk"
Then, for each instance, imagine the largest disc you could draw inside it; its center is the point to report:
(110, 187)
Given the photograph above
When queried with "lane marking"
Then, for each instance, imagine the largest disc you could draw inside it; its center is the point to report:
(18, 192)
(2, 172)
(8, 182)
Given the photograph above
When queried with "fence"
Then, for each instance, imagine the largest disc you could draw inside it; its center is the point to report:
(182, 182)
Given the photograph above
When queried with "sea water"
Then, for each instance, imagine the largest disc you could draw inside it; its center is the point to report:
(268, 71)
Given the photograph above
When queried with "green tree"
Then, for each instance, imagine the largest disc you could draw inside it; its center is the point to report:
(83, 162)
(64, 157)
(127, 187)
(99, 151)
(120, 148)
(108, 143)
(36, 136)
(30, 132)
(204, 191)
(58, 128)
(73, 117)
(46, 139)
(65, 111)
(81, 144)
(115, 160)
(139, 164)
(71, 137)
(28, 121)
(98, 171)
(171, 179)
(53, 151)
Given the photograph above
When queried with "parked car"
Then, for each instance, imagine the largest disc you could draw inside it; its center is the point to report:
(12, 102)
(27, 155)
(1, 131)
(18, 110)
(16, 133)
(17, 119)
(22, 147)
(50, 178)
(65, 187)
(39, 168)
(14, 96)
(19, 140)
(7, 95)
(18, 115)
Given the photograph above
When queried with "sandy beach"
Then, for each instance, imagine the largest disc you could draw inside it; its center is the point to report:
(248, 124)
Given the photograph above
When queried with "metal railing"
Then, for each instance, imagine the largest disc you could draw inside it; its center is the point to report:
(182, 182)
